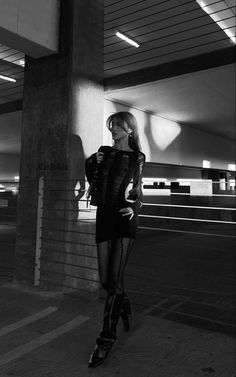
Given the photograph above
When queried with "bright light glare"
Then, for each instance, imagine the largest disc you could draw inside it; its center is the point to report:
(127, 39)
(7, 78)
(206, 164)
(232, 167)
(213, 11)
(164, 132)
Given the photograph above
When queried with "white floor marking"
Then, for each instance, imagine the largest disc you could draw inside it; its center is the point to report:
(40, 341)
(156, 306)
(189, 219)
(185, 206)
(186, 231)
(25, 321)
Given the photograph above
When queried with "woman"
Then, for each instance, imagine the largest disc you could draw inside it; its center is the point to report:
(109, 172)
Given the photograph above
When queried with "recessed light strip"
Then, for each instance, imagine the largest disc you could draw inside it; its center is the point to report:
(214, 13)
(7, 78)
(127, 39)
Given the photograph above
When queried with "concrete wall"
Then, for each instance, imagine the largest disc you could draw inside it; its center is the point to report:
(165, 141)
(21, 26)
(162, 140)
(10, 140)
(9, 166)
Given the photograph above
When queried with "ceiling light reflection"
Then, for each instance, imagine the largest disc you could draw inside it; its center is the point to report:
(215, 11)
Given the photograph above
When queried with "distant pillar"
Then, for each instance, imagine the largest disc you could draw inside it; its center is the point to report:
(62, 125)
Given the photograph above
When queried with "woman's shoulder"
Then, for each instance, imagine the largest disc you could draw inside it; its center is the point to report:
(105, 148)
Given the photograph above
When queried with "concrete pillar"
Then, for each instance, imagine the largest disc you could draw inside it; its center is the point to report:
(62, 125)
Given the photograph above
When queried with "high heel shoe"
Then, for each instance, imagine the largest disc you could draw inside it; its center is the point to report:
(107, 335)
(125, 314)
(100, 353)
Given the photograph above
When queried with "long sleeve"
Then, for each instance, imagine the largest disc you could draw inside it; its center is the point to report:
(135, 194)
(90, 167)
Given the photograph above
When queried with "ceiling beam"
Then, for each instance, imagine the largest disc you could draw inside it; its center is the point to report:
(175, 68)
(10, 107)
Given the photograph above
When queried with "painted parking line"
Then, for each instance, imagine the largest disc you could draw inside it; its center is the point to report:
(163, 309)
(42, 340)
(173, 307)
(156, 306)
(25, 321)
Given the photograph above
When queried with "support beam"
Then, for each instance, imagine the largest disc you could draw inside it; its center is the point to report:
(172, 69)
(10, 107)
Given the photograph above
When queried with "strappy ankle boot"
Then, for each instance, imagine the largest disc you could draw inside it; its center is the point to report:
(107, 335)
(125, 313)
(100, 353)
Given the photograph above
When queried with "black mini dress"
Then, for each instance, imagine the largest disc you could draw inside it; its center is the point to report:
(115, 173)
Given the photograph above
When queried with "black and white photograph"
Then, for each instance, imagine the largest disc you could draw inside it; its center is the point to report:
(117, 188)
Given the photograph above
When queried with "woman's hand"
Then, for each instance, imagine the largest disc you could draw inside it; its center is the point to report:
(99, 156)
(127, 211)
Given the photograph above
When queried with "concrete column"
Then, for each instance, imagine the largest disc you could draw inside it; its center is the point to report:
(62, 125)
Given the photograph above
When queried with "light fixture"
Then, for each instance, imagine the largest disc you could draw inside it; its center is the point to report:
(206, 164)
(22, 62)
(7, 78)
(232, 167)
(213, 9)
(127, 39)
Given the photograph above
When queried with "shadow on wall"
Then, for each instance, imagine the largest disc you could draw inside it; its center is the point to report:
(149, 136)
(76, 182)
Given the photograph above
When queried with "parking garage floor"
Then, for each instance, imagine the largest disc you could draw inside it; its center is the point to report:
(182, 287)
(49, 334)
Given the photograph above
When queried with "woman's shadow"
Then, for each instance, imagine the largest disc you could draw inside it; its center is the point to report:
(76, 182)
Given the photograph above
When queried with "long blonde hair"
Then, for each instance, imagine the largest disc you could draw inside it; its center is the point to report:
(125, 116)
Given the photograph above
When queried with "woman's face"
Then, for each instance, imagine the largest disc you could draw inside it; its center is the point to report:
(119, 129)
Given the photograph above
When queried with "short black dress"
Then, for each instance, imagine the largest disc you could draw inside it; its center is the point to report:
(117, 170)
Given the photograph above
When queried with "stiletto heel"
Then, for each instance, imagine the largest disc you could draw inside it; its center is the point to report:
(107, 335)
(125, 314)
(100, 353)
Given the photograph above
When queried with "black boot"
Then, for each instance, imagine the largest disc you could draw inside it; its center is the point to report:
(107, 335)
(125, 313)
(100, 353)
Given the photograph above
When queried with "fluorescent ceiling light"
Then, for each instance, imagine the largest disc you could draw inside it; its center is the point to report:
(22, 62)
(7, 78)
(224, 17)
(127, 39)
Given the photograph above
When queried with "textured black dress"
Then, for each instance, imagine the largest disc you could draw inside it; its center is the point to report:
(117, 170)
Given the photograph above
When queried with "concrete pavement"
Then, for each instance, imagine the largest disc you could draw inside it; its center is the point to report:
(49, 334)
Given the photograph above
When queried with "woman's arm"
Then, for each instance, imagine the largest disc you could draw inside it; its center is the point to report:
(90, 167)
(135, 194)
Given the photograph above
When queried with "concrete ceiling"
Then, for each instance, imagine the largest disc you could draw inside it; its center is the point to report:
(204, 99)
(168, 30)
(11, 65)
